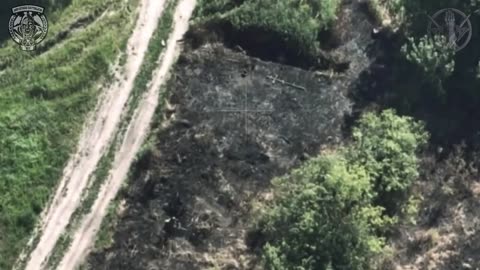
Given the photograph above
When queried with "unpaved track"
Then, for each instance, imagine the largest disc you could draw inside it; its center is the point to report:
(137, 130)
(96, 136)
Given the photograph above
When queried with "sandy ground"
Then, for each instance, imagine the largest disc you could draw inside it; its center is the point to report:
(96, 136)
(137, 130)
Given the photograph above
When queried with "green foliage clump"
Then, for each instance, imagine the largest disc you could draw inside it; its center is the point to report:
(386, 146)
(434, 57)
(297, 22)
(324, 214)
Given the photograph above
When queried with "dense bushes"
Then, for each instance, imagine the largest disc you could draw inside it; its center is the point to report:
(297, 22)
(324, 214)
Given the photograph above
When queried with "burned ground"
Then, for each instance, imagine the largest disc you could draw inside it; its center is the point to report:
(189, 202)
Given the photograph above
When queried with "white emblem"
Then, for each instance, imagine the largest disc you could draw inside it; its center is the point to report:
(28, 26)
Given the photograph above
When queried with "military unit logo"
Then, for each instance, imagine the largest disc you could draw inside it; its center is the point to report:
(454, 25)
(28, 26)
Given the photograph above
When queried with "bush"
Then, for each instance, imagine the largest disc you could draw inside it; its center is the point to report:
(386, 145)
(322, 217)
(436, 61)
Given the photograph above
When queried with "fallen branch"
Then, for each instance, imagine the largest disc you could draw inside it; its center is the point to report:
(275, 79)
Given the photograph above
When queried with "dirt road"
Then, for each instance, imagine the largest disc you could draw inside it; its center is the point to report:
(137, 130)
(95, 138)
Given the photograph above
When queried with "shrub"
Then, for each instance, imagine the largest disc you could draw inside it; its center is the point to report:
(322, 216)
(386, 145)
(388, 13)
(433, 57)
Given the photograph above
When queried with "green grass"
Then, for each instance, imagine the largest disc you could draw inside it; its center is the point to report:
(43, 103)
(155, 48)
(107, 230)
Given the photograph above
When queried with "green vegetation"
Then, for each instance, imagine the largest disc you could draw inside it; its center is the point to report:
(296, 22)
(322, 217)
(150, 62)
(433, 57)
(107, 229)
(385, 145)
(429, 79)
(325, 214)
(44, 100)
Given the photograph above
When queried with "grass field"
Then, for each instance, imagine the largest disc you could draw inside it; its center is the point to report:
(44, 99)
